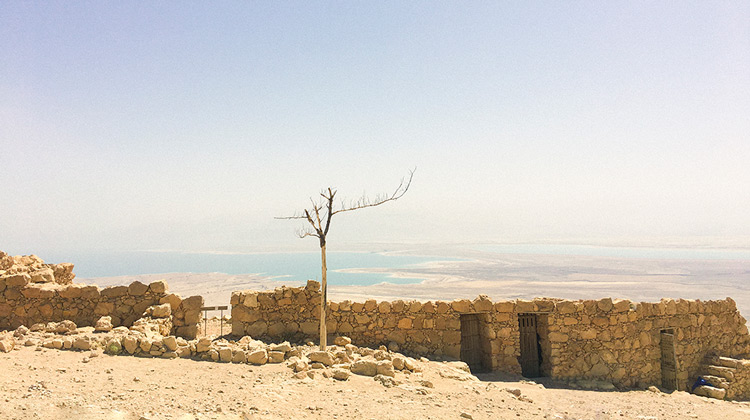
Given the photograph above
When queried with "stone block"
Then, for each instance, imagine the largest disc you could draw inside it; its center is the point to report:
(17, 280)
(158, 287)
(174, 301)
(137, 288)
(565, 307)
(605, 305)
(370, 305)
(415, 306)
(114, 291)
(441, 307)
(523, 306)
(45, 275)
(483, 304)
(462, 305)
(557, 337)
(384, 307)
(405, 323)
(90, 292)
(192, 303)
(71, 291)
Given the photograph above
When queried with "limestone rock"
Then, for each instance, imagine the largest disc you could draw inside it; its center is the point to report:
(387, 381)
(82, 343)
(130, 344)
(104, 324)
(20, 331)
(323, 357)
(385, 367)
(161, 311)
(170, 343)
(709, 391)
(7, 344)
(257, 357)
(342, 341)
(341, 374)
(365, 367)
(203, 345)
(275, 357)
(114, 346)
(66, 326)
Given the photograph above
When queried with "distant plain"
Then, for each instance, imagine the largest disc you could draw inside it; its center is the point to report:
(450, 272)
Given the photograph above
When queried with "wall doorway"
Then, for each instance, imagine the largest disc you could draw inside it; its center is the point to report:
(530, 347)
(471, 342)
(668, 360)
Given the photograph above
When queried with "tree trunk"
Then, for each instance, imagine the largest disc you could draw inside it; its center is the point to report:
(323, 302)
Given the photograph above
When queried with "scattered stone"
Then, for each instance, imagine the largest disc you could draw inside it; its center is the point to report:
(7, 344)
(466, 415)
(342, 341)
(257, 357)
(387, 381)
(365, 367)
(323, 357)
(341, 374)
(104, 324)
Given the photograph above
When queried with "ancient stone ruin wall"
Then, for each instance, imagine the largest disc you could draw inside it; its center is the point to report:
(419, 328)
(31, 292)
(619, 340)
(616, 341)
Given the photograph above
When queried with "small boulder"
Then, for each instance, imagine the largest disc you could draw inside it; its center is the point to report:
(385, 368)
(387, 381)
(82, 343)
(275, 357)
(20, 331)
(257, 357)
(365, 367)
(113, 347)
(7, 344)
(170, 342)
(161, 311)
(104, 324)
(322, 357)
(342, 341)
(341, 374)
(283, 347)
(130, 344)
(64, 327)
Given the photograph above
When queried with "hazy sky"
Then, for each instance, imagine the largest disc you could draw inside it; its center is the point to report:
(187, 125)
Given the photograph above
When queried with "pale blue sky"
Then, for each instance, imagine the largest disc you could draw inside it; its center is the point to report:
(180, 125)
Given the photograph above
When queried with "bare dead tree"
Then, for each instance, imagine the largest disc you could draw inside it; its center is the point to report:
(319, 215)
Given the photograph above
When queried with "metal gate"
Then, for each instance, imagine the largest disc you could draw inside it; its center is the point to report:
(668, 361)
(471, 351)
(529, 345)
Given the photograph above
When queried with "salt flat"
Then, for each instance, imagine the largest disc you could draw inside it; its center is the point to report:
(502, 276)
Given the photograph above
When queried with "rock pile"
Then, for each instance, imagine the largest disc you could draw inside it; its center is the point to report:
(32, 292)
(305, 361)
(32, 269)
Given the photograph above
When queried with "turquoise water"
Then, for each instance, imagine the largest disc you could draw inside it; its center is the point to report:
(621, 252)
(287, 266)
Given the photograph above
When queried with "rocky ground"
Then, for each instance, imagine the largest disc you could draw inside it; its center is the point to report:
(46, 383)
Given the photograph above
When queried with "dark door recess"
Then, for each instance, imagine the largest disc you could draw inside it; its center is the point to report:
(668, 361)
(529, 345)
(471, 350)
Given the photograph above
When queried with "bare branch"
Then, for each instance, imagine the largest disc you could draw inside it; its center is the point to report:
(364, 202)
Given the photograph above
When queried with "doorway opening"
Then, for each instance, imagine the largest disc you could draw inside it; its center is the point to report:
(534, 359)
(474, 342)
(668, 360)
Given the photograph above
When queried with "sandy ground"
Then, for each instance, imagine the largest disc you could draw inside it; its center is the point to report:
(53, 384)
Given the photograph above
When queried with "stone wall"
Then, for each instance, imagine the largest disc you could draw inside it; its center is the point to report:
(613, 340)
(32, 292)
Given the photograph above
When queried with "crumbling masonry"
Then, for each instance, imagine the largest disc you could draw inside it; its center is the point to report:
(629, 344)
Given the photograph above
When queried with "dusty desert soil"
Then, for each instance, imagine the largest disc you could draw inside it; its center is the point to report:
(54, 384)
